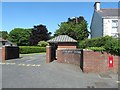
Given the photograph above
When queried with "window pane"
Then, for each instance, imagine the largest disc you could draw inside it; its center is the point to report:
(114, 23)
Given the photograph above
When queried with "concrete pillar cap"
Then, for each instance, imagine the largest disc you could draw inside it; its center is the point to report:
(48, 46)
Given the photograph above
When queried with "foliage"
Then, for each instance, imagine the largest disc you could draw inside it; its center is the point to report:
(75, 28)
(106, 43)
(43, 43)
(96, 48)
(112, 46)
(20, 36)
(4, 34)
(31, 49)
(94, 42)
(39, 33)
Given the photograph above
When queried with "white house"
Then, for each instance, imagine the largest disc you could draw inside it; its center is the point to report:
(104, 21)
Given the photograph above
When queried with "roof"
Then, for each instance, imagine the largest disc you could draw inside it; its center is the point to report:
(61, 38)
(1, 39)
(7, 42)
(109, 12)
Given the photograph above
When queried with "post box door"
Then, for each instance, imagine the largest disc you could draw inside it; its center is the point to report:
(110, 61)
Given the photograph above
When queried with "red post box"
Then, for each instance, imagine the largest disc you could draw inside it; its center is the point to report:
(110, 61)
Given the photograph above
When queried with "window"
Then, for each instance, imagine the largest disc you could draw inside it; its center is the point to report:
(114, 23)
(114, 31)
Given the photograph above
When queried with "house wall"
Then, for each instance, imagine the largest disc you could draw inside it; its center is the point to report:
(107, 27)
(96, 25)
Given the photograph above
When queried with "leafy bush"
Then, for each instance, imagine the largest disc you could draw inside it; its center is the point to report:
(31, 49)
(96, 48)
(106, 43)
(112, 46)
(43, 43)
(94, 42)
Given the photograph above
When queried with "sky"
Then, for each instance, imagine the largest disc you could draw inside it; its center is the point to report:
(50, 14)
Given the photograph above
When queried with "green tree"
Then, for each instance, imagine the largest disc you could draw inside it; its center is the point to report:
(75, 28)
(20, 36)
(39, 33)
(4, 34)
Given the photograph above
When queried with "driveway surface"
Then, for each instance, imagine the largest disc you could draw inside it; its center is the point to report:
(31, 71)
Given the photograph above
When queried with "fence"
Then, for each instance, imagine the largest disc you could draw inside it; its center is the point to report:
(9, 52)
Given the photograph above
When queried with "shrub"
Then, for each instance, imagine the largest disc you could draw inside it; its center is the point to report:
(112, 46)
(94, 42)
(43, 43)
(106, 43)
(31, 49)
(96, 48)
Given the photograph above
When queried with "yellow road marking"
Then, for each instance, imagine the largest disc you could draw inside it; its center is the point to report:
(7, 63)
(33, 65)
(12, 63)
(28, 65)
(118, 81)
(23, 64)
(38, 65)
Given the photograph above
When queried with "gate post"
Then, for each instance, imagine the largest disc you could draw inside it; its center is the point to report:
(3, 54)
(48, 54)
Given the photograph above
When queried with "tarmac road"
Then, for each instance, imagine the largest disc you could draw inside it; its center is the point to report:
(31, 71)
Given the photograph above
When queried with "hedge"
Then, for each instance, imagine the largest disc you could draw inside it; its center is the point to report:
(94, 42)
(101, 49)
(31, 49)
(107, 43)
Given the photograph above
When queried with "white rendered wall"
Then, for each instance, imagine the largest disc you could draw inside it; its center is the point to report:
(107, 27)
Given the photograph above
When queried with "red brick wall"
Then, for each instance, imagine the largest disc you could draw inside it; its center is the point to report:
(59, 56)
(91, 62)
(71, 56)
(67, 45)
(2, 54)
(98, 62)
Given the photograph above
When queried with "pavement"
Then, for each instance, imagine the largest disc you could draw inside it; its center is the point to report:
(31, 71)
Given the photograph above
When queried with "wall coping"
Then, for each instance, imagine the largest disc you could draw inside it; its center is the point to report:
(68, 49)
(87, 50)
(48, 46)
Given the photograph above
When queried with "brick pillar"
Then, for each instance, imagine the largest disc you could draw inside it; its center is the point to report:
(48, 54)
(3, 54)
(59, 55)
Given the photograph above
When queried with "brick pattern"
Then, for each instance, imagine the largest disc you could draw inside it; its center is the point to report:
(2, 54)
(71, 58)
(48, 54)
(67, 45)
(98, 62)
(59, 56)
(91, 62)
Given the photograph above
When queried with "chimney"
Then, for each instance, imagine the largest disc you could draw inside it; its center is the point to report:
(97, 6)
